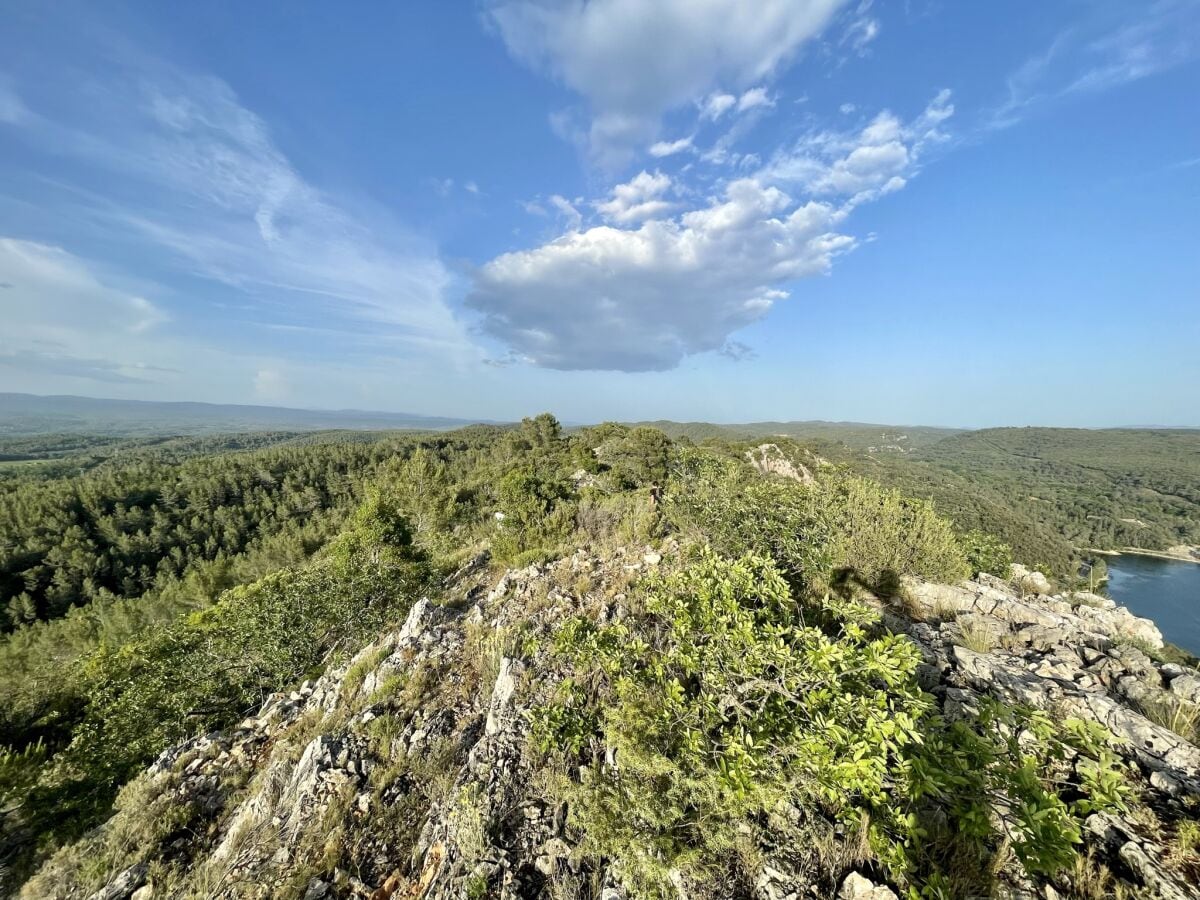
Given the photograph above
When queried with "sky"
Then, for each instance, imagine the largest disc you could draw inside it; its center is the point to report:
(918, 212)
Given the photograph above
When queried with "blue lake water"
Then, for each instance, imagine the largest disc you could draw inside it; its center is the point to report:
(1167, 592)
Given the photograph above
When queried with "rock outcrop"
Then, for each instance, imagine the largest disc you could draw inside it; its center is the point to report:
(406, 771)
(769, 459)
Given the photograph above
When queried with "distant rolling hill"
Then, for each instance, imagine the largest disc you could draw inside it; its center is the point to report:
(1046, 491)
(30, 414)
(855, 435)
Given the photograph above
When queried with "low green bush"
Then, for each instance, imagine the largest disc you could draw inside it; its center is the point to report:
(878, 534)
(538, 515)
(986, 553)
(712, 716)
(719, 500)
(839, 531)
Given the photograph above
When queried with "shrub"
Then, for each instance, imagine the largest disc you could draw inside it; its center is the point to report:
(634, 457)
(737, 512)
(617, 519)
(879, 535)
(732, 724)
(841, 531)
(538, 514)
(986, 553)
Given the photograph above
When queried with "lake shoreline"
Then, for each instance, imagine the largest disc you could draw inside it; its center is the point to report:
(1181, 553)
(1156, 587)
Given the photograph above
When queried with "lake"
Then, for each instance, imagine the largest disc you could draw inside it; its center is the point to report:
(1160, 589)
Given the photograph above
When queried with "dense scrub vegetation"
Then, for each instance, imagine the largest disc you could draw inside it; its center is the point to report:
(205, 670)
(1113, 488)
(1052, 494)
(739, 728)
(142, 539)
(854, 435)
(127, 561)
(751, 698)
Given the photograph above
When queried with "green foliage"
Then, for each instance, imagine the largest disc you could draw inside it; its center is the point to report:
(717, 498)
(724, 711)
(634, 457)
(729, 719)
(1047, 491)
(879, 534)
(120, 676)
(842, 529)
(19, 773)
(538, 513)
(986, 553)
(163, 589)
(256, 639)
(1022, 756)
(135, 526)
(208, 669)
(425, 489)
(858, 436)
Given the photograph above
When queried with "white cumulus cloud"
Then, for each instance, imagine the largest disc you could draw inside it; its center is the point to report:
(716, 105)
(654, 285)
(876, 159)
(754, 98)
(638, 199)
(641, 299)
(633, 60)
(660, 149)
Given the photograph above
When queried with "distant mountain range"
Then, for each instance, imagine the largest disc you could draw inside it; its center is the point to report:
(30, 414)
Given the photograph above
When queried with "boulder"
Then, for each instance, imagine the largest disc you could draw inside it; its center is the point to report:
(124, 885)
(1030, 581)
(502, 692)
(1187, 687)
(859, 887)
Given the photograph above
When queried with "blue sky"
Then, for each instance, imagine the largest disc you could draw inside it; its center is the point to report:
(921, 212)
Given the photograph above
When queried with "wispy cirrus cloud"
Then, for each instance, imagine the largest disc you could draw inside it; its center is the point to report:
(12, 109)
(1117, 45)
(58, 364)
(175, 168)
(59, 313)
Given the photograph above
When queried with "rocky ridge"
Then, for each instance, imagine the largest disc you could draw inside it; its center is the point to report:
(406, 771)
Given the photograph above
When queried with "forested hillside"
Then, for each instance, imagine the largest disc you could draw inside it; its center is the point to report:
(1104, 488)
(121, 521)
(624, 661)
(1054, 493)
